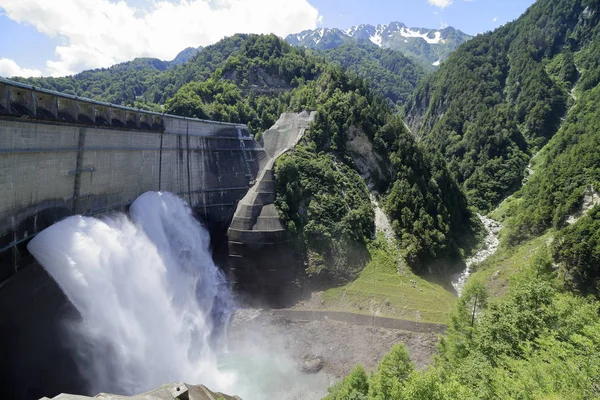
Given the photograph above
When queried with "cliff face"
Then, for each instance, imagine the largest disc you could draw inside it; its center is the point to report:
(369, 163)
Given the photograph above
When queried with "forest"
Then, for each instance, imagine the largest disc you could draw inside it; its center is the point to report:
(501, 96)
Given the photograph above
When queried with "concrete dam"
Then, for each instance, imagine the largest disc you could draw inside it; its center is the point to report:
(62, 155)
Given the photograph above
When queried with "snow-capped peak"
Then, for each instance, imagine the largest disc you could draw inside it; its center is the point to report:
(395, 36)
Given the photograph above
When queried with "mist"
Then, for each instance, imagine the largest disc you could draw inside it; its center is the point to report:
(154, 307)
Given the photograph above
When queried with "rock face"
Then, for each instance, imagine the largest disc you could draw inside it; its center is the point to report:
(590, 199)
(261, 259)
(368, 162)
(173, 391)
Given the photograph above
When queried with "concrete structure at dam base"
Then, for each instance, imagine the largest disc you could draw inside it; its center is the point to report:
(173, 391)
(261, 258)
(62, 155)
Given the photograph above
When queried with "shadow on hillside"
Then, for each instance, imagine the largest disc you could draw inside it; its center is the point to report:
(443, 273)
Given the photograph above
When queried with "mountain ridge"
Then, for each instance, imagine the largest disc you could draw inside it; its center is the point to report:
(427, 46)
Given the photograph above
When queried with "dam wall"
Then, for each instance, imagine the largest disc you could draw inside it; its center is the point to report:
(61, 155)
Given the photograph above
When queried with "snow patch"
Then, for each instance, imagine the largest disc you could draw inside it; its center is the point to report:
(350, 31)
(376, 39)
(319, 32)
(407, 32)
(301, 36)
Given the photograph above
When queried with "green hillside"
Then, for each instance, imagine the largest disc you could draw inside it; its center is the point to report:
(527, 324)
(322, 192)
(389, 73)
(501, 96)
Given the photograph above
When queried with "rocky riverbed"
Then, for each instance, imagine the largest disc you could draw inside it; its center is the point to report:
(490, 245)
(322, 352)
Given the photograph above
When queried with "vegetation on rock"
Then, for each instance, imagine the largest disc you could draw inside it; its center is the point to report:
(577, 250)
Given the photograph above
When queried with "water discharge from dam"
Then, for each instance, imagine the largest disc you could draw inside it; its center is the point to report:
(153, 304)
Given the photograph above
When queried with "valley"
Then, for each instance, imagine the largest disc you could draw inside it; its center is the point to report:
(438, 217)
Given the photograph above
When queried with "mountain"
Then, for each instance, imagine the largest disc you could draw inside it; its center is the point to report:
(355, 144)
(429, 47)
(516, 112)
(143, 82)
(120, 84)
(503, 95)
(185, 55)
(389, 73)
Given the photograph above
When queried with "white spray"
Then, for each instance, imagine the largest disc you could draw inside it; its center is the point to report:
(150, 297)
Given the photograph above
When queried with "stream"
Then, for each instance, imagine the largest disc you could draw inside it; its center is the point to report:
(490, 245)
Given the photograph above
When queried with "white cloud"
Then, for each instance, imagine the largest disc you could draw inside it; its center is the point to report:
(100, 33)
(494, 19)
(440, 3)
(9, 68)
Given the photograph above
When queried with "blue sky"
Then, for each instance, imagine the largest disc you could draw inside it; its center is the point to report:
(472, 17)
(61, 37)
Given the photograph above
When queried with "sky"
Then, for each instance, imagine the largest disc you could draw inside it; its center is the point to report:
(63, 37)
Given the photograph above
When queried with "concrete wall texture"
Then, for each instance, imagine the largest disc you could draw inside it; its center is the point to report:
(261, 259)
(61, 155)
(66, 169)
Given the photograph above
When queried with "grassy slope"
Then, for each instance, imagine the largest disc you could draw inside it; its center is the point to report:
(381, 289)
(498, 269)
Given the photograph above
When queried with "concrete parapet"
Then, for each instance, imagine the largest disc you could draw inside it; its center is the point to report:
(47, 106)
(117, 117)
(86, 114)
(4, 98)
(102, 115)
(18, 99)
(145, 121)
(22, 101)
(68, 110)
